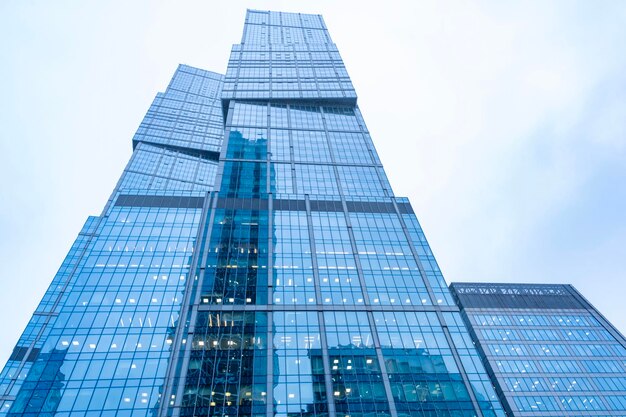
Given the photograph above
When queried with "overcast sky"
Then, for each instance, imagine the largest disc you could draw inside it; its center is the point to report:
(503, 122)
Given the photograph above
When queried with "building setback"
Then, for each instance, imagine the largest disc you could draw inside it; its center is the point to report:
(547, 349)
(251, 261)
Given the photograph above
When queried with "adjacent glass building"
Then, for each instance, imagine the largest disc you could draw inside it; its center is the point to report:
(251, 261)
(547, 349)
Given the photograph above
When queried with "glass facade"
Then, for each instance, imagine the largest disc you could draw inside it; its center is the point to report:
(252, 261)
(548, 350)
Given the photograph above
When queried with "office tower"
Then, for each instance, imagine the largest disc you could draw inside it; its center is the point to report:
(252, 261)
(547, 349)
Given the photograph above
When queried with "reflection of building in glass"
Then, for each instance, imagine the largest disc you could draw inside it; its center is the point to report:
(224, 359)
(547, 349)
(43, 385)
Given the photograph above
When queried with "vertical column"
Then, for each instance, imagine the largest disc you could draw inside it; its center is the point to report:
(270, 317)
(291, 153)
(381, 362)
(318, 295)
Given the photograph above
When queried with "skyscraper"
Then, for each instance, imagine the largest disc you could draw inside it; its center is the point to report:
(252, 260)
(547, 349)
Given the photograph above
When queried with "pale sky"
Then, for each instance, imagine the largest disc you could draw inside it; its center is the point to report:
(503, 122)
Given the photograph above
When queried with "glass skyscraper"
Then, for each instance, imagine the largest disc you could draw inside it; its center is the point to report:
(547, 349)
(251, 261)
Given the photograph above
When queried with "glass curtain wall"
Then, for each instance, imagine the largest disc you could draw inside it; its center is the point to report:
(317, 293)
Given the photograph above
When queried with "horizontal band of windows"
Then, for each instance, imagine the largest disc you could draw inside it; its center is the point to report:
(301, 101)
(164, 98)
(260, 204)
(159, 201)
(193, 152)
(557, 302)
(193, 71)
(316, 205)
(326, 307)
(19, 352)
(287, 162)
(212, 96)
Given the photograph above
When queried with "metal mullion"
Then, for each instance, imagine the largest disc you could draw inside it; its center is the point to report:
(320, 315)
(381, 364)
(269, 397)
(294, 184)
